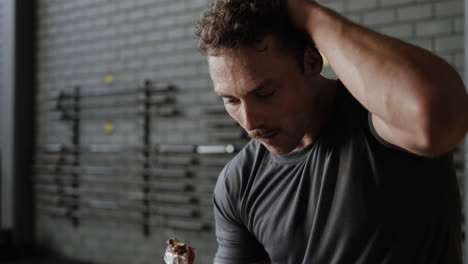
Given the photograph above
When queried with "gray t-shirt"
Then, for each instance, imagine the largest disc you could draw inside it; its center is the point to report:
(349, 197)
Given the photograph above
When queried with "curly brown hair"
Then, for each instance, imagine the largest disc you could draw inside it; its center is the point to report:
(232, 24)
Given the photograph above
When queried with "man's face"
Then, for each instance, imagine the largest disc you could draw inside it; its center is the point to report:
(268, 94)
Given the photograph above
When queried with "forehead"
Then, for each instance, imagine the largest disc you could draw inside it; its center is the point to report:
(239, 71)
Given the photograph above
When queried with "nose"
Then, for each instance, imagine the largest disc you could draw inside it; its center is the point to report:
(252, 117)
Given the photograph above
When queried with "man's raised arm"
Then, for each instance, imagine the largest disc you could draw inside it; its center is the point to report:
(417, 100)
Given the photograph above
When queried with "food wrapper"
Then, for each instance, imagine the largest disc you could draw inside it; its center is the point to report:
(178, 252)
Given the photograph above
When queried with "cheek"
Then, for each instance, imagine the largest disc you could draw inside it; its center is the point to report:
(234, 113)
(290, 111)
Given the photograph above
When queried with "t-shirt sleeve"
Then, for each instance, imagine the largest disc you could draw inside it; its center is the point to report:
(236, 245)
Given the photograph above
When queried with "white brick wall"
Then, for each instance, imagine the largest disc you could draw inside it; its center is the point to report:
(414, 12)
(381, 16)
(80, 42)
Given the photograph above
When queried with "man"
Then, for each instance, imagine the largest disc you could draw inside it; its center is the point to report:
(355, 170)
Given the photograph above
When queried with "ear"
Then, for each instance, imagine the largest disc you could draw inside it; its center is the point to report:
(313, 61)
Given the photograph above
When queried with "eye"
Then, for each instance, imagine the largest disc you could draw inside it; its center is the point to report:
(265, 94)
(230, 100)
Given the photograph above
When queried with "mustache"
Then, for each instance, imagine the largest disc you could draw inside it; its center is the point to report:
(259, 133)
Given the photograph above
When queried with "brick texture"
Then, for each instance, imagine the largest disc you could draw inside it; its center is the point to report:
(81, 43)
(87, 43)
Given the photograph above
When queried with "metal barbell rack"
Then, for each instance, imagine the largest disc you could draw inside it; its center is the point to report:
(162, 193)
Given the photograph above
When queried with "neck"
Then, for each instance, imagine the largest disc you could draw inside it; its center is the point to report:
(324, 102)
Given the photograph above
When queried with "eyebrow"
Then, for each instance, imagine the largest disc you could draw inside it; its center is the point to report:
(258, 87)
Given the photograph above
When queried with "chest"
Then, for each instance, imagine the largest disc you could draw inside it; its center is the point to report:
(292, 209)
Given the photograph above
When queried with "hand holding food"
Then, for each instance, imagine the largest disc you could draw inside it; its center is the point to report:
(178, 252)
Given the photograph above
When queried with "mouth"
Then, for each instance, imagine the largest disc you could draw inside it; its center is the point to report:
(268, 138)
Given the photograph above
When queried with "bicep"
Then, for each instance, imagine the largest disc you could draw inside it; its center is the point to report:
(429, 138)
(235, 243)
(395, 137)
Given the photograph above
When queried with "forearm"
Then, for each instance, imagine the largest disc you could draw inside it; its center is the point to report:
(408, 87)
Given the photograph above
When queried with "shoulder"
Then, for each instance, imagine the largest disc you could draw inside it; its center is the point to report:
(348, 120)
(236, 172)
(236, 168)
(351, 128)
(247, 154)
(356, 125)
